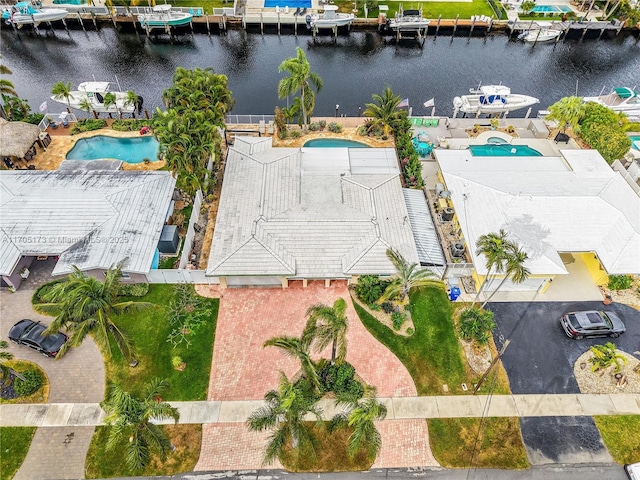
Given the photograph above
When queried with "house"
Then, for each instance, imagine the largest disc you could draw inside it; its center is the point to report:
(91, 219)
(562, 210)
(309, 213)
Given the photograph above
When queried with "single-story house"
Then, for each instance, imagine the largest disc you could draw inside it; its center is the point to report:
(571, 206)
(91, 219)
(309, 213)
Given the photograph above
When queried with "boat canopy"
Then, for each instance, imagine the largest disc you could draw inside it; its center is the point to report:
(162, 8)
(411, 13)
(494, 90)
(624, 92)
(330, 11)
(94, 87)
(489, 99)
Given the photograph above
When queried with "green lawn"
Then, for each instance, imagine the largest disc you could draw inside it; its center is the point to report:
(432, 355)
(431, 10)
(15, 443)
(186, 438)
(497, 443)
(149, 330)
(621, 435)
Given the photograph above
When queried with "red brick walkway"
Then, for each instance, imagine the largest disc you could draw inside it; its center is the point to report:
(243, 370)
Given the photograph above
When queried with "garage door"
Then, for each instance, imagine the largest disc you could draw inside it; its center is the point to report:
(254, 282)
(529, 285)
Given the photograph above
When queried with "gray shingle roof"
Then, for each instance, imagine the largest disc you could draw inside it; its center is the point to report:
(304, 213)
(91, 219)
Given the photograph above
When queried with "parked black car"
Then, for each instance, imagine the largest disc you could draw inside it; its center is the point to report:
(592, 323)
(29, 333)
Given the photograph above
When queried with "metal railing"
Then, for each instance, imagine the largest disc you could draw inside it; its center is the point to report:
(195, 11)
(248, 119)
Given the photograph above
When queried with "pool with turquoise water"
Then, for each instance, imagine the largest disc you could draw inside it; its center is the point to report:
(503, 150)
(334, 142)
(129, 149)
(551, 9)
(635, 141)
(287, 3)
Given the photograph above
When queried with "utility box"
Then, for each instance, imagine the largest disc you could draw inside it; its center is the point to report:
(454, 293)
(538, 128)
(169, 240)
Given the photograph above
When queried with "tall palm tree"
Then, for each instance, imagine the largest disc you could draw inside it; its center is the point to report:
(408, 277)
(62, 90)
(110, 99)
(85, 105)
(284, 412)
(362, 416)
(384, 111)
(301, 79)
(132, 99)
(130, 417)
(494, 247)
(328, 325)
(298, 348)
(84, 305)
(6, 90)
(514, 268)
(567, 111)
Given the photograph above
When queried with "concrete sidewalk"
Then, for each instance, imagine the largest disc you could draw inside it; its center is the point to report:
(399, 408)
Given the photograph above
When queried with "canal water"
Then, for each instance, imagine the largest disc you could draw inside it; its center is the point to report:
(357, 65)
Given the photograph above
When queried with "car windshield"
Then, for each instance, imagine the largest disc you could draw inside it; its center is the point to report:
(573, 320)
(50, 341)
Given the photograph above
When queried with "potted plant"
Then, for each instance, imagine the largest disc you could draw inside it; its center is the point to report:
(177, 363)
(494, 123)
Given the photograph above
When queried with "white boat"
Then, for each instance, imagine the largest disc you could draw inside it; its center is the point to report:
(622, 99)
(330, 18)
(540, 35)
(94, 93)
(25, 13)
(409, 20)
(162, 16)
(492, 99)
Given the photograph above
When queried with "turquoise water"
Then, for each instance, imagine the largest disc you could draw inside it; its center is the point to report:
(506, 150)
(635, 142)
(496, 140)
(334, 142)
(551, 9)
(130, 150)
(287, 3)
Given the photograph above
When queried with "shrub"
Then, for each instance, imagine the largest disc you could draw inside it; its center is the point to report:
(295, 134)
(476, 324)
(375, 307)
(133, 289)
(334, 127)
(87, 125)
(33, 118)
(176, 361)
(130, 124)
(187, 313)
(32, 382)
(387, 307)
(605, 356)
(409, 331)
(620, 282)
(370, 288)
(398, 320)
(317, 126)
(323, 124)
(340, 379)
(609, 140)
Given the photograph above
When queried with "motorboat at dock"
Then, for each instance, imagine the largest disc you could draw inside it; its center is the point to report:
(491, 99)
(26, 13)
(163, 16)
(409, 20)
(621, 99)
(540, 35)
(329, 19)
(92, 95)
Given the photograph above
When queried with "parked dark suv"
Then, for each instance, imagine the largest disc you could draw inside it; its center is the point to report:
(29, 333)
(592, 323)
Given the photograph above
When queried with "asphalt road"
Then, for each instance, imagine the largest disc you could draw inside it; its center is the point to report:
(540, 359)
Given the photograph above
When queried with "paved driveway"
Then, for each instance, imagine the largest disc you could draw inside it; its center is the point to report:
(540, 359)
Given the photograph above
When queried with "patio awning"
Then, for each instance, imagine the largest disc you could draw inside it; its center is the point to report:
(17, 138)
(424, 231)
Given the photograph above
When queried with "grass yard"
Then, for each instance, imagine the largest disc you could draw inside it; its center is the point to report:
(431, 10)
(149, 330)
(331, 453)
(186, 438)
(621, 435)
(453, 441)
(15, 443)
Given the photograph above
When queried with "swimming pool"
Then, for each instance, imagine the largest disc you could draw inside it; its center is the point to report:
(334, 142)
(130, 149)
(503, 150)
(635, 142)
(287, 3)
(551, 9)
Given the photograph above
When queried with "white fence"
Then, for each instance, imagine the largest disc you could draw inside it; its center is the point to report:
(228, 11)
(195, 11)
(181, 276)
(191, 231)
(88, 9)
(248, 119)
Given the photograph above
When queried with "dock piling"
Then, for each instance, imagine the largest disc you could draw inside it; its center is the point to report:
(208, 28)
(437, 26)
(93, 17)
(455, 25)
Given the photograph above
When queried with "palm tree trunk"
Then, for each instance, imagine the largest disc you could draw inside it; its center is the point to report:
(333, 352)
(484, 283)
(304, 110)
(506, 277)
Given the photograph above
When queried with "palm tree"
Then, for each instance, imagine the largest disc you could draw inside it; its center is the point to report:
(361, 417)
(132, 99)
(4, 356)
(384, 112)
(110, 99)
(284, 412)
(84, 305)
(62, 90)
(605, 356)
(568, 111)
(130, 417)
(514, 268)
(494, 247)
(408, 277)
(301, 79)
(299, 348)
(328, 325)
(86, 106)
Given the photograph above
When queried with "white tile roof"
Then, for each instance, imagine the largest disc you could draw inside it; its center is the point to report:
(572, 203)
(305, 213)
(91, 219)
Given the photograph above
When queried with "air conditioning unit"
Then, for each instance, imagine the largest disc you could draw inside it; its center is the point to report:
(439, 188)
(447, 214)
(457, 249)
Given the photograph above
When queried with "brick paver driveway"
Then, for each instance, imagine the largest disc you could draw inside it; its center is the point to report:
(243, 370)
(78, 377)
